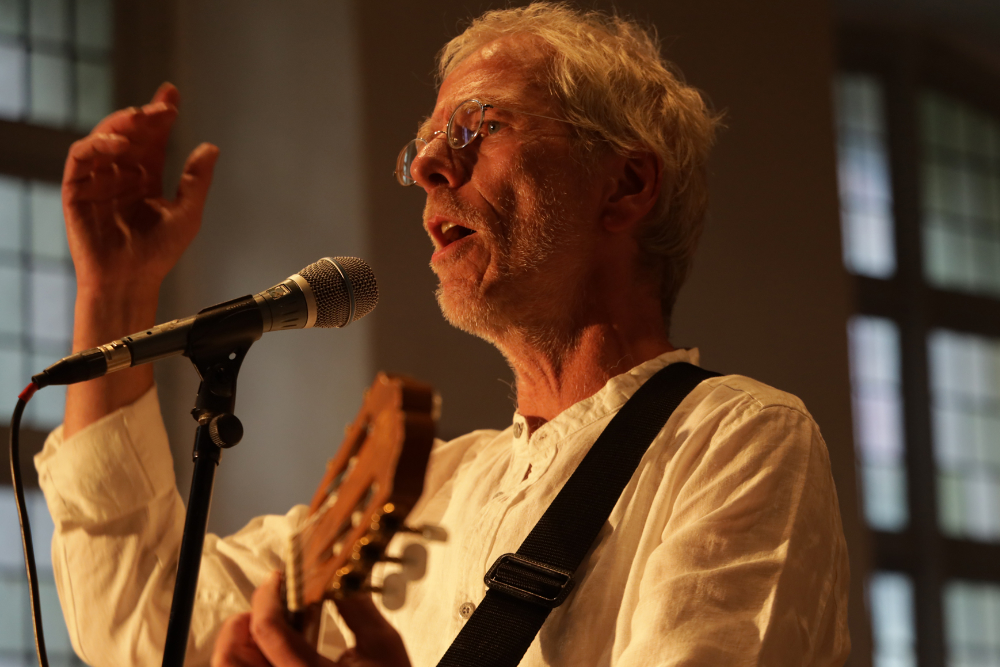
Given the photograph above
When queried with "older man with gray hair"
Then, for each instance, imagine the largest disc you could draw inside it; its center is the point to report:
(564, 166)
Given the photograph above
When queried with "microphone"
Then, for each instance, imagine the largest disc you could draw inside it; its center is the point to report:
(332, 292)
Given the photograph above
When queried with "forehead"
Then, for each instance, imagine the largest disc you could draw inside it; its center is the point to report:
(509, 71)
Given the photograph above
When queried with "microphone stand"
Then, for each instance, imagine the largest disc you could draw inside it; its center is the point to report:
(218, 345)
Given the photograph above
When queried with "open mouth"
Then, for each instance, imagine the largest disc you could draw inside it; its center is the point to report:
(451, 232)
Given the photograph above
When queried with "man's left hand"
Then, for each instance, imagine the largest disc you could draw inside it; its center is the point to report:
(262, 637)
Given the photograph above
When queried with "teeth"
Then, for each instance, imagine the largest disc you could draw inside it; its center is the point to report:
(446, 226)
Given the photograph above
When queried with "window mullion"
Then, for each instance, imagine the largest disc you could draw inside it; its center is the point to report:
(902, 91)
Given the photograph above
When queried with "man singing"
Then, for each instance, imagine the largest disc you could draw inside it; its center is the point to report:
(564, 166)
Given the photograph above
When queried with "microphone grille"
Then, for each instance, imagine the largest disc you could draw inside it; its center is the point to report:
(341, 284)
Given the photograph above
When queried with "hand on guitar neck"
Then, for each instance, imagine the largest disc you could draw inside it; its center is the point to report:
(363, 500)
(262, 636)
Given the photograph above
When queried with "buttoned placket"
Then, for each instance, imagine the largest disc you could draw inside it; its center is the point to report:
(531, 454)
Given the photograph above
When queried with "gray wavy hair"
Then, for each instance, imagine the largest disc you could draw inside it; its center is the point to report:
(615, 87)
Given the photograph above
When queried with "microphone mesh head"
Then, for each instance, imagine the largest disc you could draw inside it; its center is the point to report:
(333, 294)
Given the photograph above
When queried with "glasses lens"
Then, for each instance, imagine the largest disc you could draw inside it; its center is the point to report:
(405, 161)
(465, 124)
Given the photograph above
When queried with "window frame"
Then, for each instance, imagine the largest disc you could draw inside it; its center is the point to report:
(905, 65)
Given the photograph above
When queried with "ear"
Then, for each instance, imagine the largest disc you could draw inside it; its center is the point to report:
(633, 190)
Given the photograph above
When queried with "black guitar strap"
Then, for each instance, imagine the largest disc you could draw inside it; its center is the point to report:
(524, 587)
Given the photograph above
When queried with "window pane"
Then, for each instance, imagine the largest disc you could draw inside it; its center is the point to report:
(972, 623)
(11, 302)
(878, 420)
(893, 635)
(13, 614)
(11, 18)
(863, 175)
(12, 373)
(94, 23)
(50, 89)
(93, 99)
(48, 232)
(50, 20)
(961, 195)
(45, 411)
(11, 212)
(965, 414)
(37, 275)
(12, 79)
(16, 641)
(52, 294)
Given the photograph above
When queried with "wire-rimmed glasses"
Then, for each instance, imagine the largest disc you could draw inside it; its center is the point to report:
(463, 127)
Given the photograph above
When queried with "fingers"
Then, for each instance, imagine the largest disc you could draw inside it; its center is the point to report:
(93, 152)
(100, 149)
(106, 184)
(279, 643)
(167, 93)
(375, 639)
(234, 647)
(140, 124)
(197, 178)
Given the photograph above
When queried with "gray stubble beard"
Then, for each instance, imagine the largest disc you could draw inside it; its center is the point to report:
(519, 311)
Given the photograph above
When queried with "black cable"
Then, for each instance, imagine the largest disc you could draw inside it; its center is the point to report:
(22, 514)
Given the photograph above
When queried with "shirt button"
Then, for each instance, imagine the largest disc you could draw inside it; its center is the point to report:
(517, 429)
(465, 611)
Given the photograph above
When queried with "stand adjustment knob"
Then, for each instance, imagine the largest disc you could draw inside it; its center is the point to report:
(225, 430)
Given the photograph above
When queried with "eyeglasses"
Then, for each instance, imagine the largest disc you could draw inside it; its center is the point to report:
(463, 127)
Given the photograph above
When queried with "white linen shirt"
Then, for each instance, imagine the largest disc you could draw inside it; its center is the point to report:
(725, 548)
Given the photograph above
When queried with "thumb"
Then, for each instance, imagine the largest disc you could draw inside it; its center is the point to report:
(197, 178)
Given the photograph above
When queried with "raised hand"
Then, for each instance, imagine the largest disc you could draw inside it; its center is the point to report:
(125, 236)
(120, 226)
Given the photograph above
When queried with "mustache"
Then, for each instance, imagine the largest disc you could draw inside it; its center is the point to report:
(447, 205)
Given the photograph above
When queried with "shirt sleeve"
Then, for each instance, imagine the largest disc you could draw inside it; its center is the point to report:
(118, 525)
(752, 566)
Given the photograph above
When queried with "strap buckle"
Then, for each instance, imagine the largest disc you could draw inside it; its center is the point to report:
(530, 580)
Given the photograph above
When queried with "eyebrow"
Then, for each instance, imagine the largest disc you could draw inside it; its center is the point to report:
(422, 128)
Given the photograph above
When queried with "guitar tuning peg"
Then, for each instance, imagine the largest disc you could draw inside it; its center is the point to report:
(393, 590)
(428, 532)
(413, 560)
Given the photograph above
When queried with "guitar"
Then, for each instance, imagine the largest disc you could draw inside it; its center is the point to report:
(368, 490)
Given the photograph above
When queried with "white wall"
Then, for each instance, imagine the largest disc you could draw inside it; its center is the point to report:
(276, 90)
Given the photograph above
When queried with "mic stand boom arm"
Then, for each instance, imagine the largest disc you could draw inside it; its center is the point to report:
(217, 345)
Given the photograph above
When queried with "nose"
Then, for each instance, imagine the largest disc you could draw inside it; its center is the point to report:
(438, 165)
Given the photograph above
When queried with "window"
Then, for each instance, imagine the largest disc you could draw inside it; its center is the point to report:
(893, 640)
(56, 81)
(919, 172)
(55, 61)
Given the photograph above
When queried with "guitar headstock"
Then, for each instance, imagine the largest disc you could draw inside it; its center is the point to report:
(369, 488)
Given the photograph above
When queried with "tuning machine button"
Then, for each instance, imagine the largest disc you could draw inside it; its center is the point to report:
(413, 560)
(393, 590)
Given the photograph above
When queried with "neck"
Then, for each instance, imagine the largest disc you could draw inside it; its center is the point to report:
(577, 362)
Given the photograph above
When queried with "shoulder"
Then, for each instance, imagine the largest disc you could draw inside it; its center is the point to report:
(732, 420)
(739, 391)
(729, 399)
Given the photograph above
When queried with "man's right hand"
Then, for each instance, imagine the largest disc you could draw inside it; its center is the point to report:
(125, 237)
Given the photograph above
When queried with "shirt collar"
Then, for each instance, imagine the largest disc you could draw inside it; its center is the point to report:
(609, 399)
